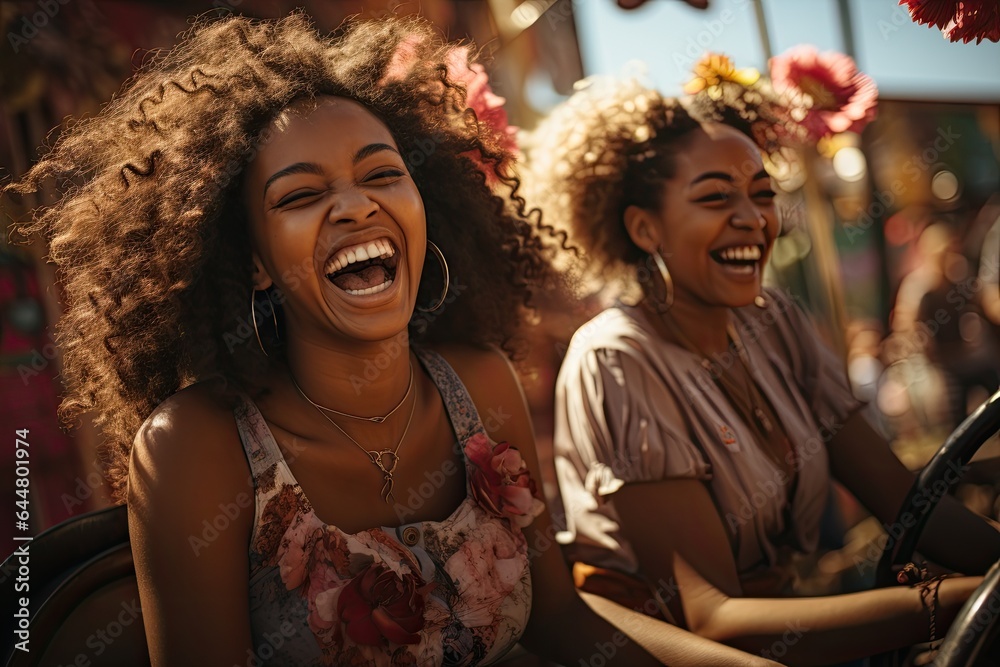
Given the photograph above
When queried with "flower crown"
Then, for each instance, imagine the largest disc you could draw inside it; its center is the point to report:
(808, 96)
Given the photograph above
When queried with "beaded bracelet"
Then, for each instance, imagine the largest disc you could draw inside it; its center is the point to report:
(917, 576)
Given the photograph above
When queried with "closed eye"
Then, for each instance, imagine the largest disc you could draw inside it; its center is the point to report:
(715, 197)
(385, 174)
(294, 197)
(766, 194)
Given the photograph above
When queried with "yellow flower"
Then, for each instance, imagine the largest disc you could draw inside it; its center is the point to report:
(715, 68)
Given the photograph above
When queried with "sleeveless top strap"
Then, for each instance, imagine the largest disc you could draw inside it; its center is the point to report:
(259, 445)
(461, 410)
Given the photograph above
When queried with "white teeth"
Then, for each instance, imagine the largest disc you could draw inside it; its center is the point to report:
(359, 253)
(370, 290)
(742, 254)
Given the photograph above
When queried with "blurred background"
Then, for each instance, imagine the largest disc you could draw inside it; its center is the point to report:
(891, 238)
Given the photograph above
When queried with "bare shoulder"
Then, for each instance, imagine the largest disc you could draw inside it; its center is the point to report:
(191, 436)
(487, 374)
(492, 382)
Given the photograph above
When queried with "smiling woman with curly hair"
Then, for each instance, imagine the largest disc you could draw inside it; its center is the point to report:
(258, 227)
(708, 398)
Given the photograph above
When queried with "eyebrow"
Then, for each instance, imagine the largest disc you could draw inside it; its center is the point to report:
(708, 175)
(723, 176)
(313, 168)
(370, 150)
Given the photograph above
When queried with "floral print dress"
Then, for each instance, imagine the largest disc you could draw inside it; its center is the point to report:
(451, 592)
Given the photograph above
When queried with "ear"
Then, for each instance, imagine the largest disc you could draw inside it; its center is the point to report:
(261, 278)
(641, 225)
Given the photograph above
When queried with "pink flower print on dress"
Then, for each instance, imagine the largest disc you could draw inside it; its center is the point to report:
(500, 481)
(378, 605)
(485, 569)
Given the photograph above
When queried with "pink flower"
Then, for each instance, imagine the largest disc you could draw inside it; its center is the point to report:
(965, 20)
(322, 595)
(480, 97)
(379, 604)
(485, 569)
(403, 59)
(296, 549)
(835, 96)
(500, 481)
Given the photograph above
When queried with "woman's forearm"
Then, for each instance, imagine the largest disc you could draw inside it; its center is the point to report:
(815, 631)
(671, 645)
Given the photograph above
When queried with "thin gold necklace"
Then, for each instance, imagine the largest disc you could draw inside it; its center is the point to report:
(390, 456)
(375, 420)
(751, 405)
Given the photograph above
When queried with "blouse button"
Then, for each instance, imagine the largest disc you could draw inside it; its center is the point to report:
(410, 536)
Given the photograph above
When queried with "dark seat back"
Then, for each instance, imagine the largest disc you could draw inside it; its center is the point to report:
(83, 602)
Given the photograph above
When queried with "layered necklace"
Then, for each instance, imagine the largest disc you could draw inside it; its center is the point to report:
(385, 460)
(738, 385)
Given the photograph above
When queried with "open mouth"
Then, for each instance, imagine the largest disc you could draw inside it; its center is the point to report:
(365, 268)
(740, 258)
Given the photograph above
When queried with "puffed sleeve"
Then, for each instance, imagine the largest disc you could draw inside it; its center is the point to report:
(821, 374)
(618, 423)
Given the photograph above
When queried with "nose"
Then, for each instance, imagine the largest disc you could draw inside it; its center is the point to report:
(352, 205)
(748, 216)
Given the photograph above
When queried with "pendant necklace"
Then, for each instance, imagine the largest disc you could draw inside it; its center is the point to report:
(385, 460)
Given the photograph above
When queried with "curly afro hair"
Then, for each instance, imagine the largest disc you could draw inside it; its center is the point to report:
(151, 241)
(611, 145)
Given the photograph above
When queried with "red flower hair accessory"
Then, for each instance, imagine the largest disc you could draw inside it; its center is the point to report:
(807, 96)
(827, 88)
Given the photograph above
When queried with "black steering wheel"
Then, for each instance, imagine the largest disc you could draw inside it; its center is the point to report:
(977, 619)
(975, 627)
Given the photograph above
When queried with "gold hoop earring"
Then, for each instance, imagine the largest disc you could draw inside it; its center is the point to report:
(668, 281)
(253, 316)
(447, 278)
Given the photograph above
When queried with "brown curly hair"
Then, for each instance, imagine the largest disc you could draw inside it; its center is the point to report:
(611, 145)
(151, 240)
